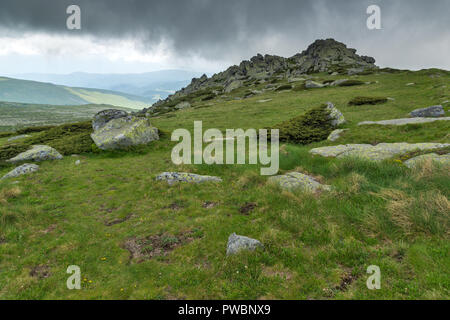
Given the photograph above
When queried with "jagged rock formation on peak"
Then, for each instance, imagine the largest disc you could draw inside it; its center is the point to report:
(321, 56)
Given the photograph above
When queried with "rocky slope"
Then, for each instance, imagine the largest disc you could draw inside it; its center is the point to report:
(327, 55)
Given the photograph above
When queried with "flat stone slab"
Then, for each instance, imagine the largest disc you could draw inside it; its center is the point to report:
(238, 243)
(21, 170)
(442, 159)
(37, 153)
(22, 136)
(174, 177)
(404, 121)
(430, 112)
(297, 180)
(379, 152)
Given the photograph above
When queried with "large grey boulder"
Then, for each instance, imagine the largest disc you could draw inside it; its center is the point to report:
(174, 177)
(104, 116)
(441, 159)
(21, 170)
(336, 116)
(430, 112)
(297, 180)
(403, 121)
(37, 153)
(120, 133)
(379, 152)
(238, 243)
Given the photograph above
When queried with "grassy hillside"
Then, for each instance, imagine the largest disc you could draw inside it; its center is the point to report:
(136, 238)
(14, 116)
(24, 91)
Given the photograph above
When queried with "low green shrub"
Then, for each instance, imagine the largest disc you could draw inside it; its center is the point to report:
(34, 129)
(284, 87)
(358, 101)
(7, 134)
(313, 126)
(350, 83)
(73, 138)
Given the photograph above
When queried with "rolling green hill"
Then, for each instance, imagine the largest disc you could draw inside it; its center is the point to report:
(24, 91)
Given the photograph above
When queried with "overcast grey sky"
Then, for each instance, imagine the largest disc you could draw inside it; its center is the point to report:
(210, 35)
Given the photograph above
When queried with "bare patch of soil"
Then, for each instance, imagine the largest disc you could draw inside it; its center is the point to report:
(247, 208)
(142, 249)
(40, 272)
(209, 204)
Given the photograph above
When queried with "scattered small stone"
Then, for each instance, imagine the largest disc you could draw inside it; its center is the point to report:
(410, 84)
(264, 100)
(336, 134)
(183, 105)
(430, 112)
(174, 177)
(37, 153)
(21, 170)
(77, 162)
(309, 84)
(22, 136)
(403, 121)
(238, 243)
(209, 204)
(336, 116)
(297, 180)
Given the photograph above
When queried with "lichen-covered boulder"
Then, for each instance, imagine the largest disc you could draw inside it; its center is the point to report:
(21, 170)
(174, 177)
(104, 116)
(336, 134)
(238, 243)
(233, 85)
(124, 132)
(430, 112)
(337, 118)
(297, 180)
(37, 153)
(379, 152)
(441, 159)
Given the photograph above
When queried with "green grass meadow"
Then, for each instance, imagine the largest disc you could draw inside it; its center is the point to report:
(137, 238)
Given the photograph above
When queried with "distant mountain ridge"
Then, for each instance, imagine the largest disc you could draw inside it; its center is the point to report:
(151, 85)
(25, 91)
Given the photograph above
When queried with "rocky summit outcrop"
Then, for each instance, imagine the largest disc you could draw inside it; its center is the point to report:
(21, 170)
(174, 177)
(379, 152)
(321, 56)
(434, 157)
(297, 180)
(115, 130)
(238, 243)
(37, 153)
(430, 112)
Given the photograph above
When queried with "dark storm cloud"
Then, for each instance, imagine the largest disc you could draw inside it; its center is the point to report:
(220, 28)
